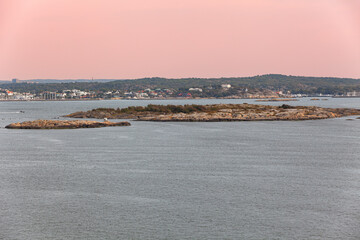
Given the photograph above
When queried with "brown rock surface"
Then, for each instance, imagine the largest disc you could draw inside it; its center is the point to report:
(63, 124)
(218, 112)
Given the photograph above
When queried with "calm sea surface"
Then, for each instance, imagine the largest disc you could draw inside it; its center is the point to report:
(153, 180)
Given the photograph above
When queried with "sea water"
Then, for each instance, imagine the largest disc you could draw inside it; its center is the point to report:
(179, 180)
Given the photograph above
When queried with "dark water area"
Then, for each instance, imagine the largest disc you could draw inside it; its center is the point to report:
(164, 180)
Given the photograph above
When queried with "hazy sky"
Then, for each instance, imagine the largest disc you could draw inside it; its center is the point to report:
(178, 38)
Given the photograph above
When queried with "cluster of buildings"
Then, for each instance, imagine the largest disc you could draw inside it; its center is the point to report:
(10, 95)
(6, 94)
(148, 93)
(353, 94)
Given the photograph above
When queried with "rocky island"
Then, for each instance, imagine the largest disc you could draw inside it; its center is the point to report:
(217, 112)
(64, 124)
(277, 100)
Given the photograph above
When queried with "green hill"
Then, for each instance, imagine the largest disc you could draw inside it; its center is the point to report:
(295, 84)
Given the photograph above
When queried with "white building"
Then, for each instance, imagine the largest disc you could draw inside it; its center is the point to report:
(353, 94)
(225, 85)
(195, 89)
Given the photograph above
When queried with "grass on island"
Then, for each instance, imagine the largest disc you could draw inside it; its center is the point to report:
(172, 109)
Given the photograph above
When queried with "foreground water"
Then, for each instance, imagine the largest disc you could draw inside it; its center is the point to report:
(224, 180)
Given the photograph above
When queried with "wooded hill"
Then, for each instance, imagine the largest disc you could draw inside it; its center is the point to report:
(294, 84)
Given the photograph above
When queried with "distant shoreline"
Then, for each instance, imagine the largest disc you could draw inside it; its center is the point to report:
(146, 99)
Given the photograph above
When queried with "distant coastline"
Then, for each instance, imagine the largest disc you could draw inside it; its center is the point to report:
(168, 98)
(264, 86)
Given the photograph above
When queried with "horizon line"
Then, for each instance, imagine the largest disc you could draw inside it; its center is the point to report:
(179, 78)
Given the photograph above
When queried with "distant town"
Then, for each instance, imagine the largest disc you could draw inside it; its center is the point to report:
(266, 86)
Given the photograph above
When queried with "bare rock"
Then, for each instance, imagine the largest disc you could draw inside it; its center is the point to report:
(63, 124)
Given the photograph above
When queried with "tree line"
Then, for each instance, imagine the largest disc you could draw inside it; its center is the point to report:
(275, 82)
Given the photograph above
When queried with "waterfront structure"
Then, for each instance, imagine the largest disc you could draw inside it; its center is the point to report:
(48, 96)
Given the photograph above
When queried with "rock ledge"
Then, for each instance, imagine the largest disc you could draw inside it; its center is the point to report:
(63, 124)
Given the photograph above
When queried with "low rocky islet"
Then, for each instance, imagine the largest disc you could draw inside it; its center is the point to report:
(64, 124)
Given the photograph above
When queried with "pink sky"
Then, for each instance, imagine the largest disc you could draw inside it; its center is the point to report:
(178, 38)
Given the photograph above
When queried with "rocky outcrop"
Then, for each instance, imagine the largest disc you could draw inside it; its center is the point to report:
(277, 100)
(231, 115)
(219, 112)
(64, 124)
